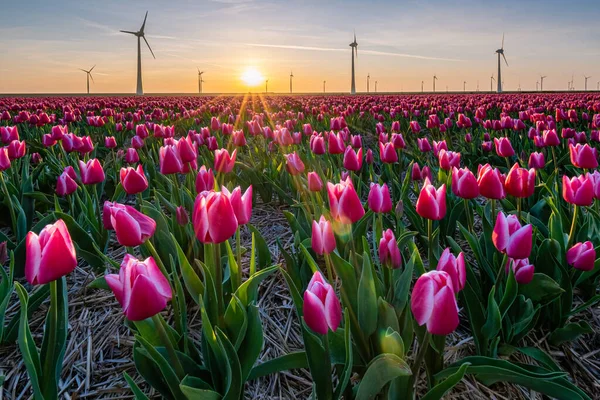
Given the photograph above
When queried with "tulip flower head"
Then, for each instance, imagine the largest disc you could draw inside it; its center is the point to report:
(322, 309)
(131, 226)
(241, 203)
(582, 256)
(91, 172)
(379, 199)
(205, 180)
(464, 183)
(344, 204)
(213, 217)
(583, 156)
(389, 253)
(511, 238)
(322, 240)
(294, 164)
(353, 159)
(315, 184)
(522, 269)
(431, 203)
(520, 182)
(455, 267)
(433, 303)
(491, 182)
(578, 190)
(504, 147)
(223, 161)
(133, 180)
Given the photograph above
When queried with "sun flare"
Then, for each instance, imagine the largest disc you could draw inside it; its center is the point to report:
(252, 77)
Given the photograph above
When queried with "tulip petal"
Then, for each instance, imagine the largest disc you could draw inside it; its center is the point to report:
(444, 317)
(33, 257)
(520, 243)
(333, 310)
(421, 301)
(144, 301)
(314, 313)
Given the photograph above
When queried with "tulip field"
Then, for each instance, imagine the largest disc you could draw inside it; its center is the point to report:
(295, 247)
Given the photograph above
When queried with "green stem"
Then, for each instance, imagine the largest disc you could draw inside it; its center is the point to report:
(238, 250)
(573, 225)
(164, 337)
(469, 220)
(430, 242)
(519, 208)
(218, 278)
(420, 355)
(329, 268)
(493, 212)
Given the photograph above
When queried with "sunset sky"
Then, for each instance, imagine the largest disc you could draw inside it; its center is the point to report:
(42, 44)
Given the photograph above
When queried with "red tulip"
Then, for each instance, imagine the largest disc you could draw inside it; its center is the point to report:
(49, 255)
(387, 153)
(389, 253)
(16, 149)
(110, 142)
(448, 159)
(335, 143)
(213, 217)
(133, 180)
(131, 156)
(47, 140)
(433, 302)
(66, 183)
(322, 240)
(9, 133)
(205, 180)
(511, 238)
(91, 172)
(140, 288)
(583, 156)
(439, 146)
(379, 199)
(423, 145)
(223, 161)
(464, 184)
(455, 267)
(582, 256)
(170, 161)
(322, 309)
(352, 159)
(550, 138)
(241, 204)
(344, 204)
(4, 159)
(131, 226)
(504, 147)
(294, 164)
(317, 144)
(369, 157)
(431, 203)
(315, 184)
(490, 182)
(578, 190)
(187, 150)
(137, 142)
(522, 269)
(537, 161)
(520, 182)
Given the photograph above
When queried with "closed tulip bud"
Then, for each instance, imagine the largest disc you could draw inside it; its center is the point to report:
(205, 180)
(84, 145)
(223, 161)
(356, 141)
(213, 217)
(353, 159)
(369, 157)
(187, 150)
(133, 180)
(389, 253)
(3, 254)
(137, 142)
(16, 149)
(322, 309)
(455, 267)
(537, 161)
(110, 142)
(433, 303)
(4, 159)
(439, 146)
(322, 240)
(431, 203)
(415, 127)
(49, 255)
(315, 184)
(344, 204)
(415, 174)
(140, 288)
(241, 204)
(487, 146)
(66, 184)
(131, 226)
(91, 172)
(464, 183)
(398, 141)
(396, 126)
(169, 160)
(212, 144)
(550, 138)
(335, 143)
(511, 238)
(307, 129)
(522, 269)
(182, 216)
(520, 182)
(491, 182)
(582, 256)
(448, 159)
(379, 199)
(294, 164)
(387, 153)
(47, 140)
(468, 138)
(317, 144)
(503, 147)
(141, 131)
(578, 190)
(583, 156)
(131, 156)
(238, 138)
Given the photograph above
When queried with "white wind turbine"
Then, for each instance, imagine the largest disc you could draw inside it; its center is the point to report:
(500, 52)
(368, 80)
(435, 78)
(492, 83)
(375, 86)
(464, 86)
(542, 82)
(140, 35)
(586, 79)
(200, 80)
(88, 75)
(291, 76)
(354, 47)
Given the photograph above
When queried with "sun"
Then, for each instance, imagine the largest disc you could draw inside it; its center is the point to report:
(252, 77)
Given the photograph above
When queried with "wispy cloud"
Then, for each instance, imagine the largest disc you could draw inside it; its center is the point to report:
(371, 52)
(106, 29)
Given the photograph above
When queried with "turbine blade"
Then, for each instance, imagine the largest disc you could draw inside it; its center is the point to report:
(132, 33)
(144, 24)
(92, 68)
(502, 42)
(149, 47)
(505, 59)
(83, 70)
(92, 78)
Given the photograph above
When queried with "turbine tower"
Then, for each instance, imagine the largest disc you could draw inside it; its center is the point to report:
(291, 76)
(492, 83)
(434, 79)
(500, 52)
(537, 86)
(267, 86)
(422, 86)
(464, 86)
(368, 79)
(140, 35)
(354, 47)
(324, 86)
(586, 79)
(89, 75)
(375, 86)
(542, 83)
(200, 80)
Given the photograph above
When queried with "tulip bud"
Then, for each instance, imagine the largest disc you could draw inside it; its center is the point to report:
(537, 161)
(431, 203)
(315, 184)
(583, 156)
(464, 184)
(369, 157)
(213, 217)
(322, 240)
(520, 182)
(582, 256)
(91, 172)
(322, 309)
(241, 204)
(223, 161)
(387, 153)
(169, 160)
(511, 238)
(504, 147)
(352, 159)
(379, 199)
(389, 253)
(205, 180)
(578, 190)
(522, 269)
(182, 216)
(133, 180)
(455, 267)
(66, 184)
(490, 182)
(294, 164)
(110, 142)
(131, 226)
(399, 209)
(433, 302)
(448, 159)
(344, 204)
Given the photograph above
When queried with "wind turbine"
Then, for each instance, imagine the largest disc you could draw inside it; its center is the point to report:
(500, 52)
(354, 47)
(434, 79)
(140, 35)
(573, 81)
(598, 85)
(200, 80)
(537, 86)
(586, 79)
(89, 75)
(375, 86)
(291, 76)
(464, 86)
(368, 79)
(542, 83)
(267, 86)
(422, 86)
(478, 85)
(324, 86)
(492, 83)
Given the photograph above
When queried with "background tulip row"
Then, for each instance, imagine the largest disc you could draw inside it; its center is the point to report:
(411, 217)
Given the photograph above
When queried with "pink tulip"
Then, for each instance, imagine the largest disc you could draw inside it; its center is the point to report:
(522, 269)
(398, 141)
(315, 184)
(387, 153)
(16, 149)
(131, 226)
(169, 160)
(550, 138)
(455, 267)
(520, 182)
(344, 204)
(137, 142)
(537, 161)
(490, 182)
(448, 159)
(140, 288)
(369, 157)
(335, 143)
(131, 156)
(187, 150)
(433, 303)
(583, 156)
(294, 164)
(389, 253)
(224, 162)
(353, 159)
(133, 180)
(66, 183)
(439, 146)
(431, 203)
(322, 240)
(423, 145)
(415, 127)
(205, 180)
(504, 147)
(110, 142)
(578, 190)
(379, 199)
(4, 159)
(181, 215)
(241, 204)
(141, 131)
(9, 133)
(464, 183)
(317, 144)
(213, 217)
(322, 309)
(47, 140)
(49, 255)
(91, 172)
(582, 256)
(511, 238)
